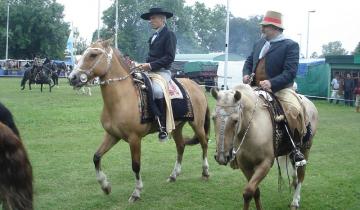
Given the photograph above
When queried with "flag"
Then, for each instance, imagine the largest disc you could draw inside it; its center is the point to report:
(70, 46)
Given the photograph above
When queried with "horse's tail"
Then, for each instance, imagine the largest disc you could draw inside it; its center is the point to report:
(195, 140)
(16, 187)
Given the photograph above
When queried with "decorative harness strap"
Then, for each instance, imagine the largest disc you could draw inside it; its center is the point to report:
(234, 152)
(87, 72)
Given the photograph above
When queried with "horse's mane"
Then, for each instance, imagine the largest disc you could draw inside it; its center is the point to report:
(7, 119)
(16, 190)
(116, 51)
(121, 59)
(247, 92)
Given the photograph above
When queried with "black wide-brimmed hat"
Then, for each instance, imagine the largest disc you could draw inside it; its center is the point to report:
(156, 11)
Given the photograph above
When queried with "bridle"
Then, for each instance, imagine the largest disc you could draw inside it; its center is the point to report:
(223, 115)
(85, 73)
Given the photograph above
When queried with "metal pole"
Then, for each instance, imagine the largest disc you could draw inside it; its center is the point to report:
(300, 42)
(116, 23)
(308, 27)
(7, 31)
(98, 29)
(226, 47)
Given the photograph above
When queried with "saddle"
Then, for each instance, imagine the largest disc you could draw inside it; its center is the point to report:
(282, 143)
(181, 106)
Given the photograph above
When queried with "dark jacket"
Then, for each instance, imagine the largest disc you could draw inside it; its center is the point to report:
(162, 50)
(281, 62)
(349, 85)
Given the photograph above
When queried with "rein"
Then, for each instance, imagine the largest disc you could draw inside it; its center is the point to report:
(234, 152)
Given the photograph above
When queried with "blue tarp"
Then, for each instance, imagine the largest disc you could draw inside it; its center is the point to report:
(304, 65)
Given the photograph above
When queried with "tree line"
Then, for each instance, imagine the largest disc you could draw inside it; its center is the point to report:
(37, 28)
(199, 29)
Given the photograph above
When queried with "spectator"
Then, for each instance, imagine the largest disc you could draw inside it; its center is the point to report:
(357, 96)
(335, 84)
(349, 86)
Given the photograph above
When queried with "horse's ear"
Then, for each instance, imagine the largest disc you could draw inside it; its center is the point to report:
(214, 92)
(237, 96)
(107, 43)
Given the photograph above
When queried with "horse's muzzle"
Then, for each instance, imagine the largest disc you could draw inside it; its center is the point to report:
(77, 80)
(223, 158)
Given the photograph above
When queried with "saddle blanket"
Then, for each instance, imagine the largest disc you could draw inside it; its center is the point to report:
(180, 101)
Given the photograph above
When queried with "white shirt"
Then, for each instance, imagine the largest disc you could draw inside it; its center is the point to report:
(335, 84)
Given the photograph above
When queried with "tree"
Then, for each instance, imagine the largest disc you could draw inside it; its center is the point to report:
(243, 34)
(314, 55)
(36, 28)
(333, 48)
(357, 49)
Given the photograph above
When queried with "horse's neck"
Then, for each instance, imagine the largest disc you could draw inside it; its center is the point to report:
(118, 92)
(251, 106)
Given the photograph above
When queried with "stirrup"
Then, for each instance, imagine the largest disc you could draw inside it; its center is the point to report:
(163, 135)
(297, 158)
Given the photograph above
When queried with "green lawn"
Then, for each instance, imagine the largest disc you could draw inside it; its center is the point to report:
(61, 131)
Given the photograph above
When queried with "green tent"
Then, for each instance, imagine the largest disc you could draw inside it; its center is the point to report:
(313, 77)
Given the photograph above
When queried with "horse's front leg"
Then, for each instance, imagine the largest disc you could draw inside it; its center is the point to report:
(255, 176)
(135, 148)
(108, 142)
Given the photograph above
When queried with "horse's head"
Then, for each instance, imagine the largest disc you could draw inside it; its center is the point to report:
(226, 122)
(95, 62)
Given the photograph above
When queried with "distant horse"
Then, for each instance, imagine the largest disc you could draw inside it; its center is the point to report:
(244, 126)
(52, 70)
(16, 189)
(121, 114)
(29, 75)
(38, 75)
(44, 77)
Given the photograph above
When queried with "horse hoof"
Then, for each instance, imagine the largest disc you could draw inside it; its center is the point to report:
(133, 199)
(107, 190)
(171, 179)
(205, 177)
(293, 207)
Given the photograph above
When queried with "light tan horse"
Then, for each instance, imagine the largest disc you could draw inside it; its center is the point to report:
(244, 131)
(121, 113)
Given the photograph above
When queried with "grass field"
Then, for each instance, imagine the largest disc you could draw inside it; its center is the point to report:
(61, 131)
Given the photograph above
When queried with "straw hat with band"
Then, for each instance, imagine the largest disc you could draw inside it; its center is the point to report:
(273, 18)
(156, 11)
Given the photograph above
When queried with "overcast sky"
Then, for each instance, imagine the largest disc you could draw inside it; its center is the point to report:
(332, 21)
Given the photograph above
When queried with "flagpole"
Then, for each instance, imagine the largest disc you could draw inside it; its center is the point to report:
(98, 29)
(226, 47)
(7, 31)
(116, 23)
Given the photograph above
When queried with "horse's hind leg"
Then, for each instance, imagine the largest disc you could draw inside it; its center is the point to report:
(108, 142)
(298, 179)
(180, 147)
(201, 136)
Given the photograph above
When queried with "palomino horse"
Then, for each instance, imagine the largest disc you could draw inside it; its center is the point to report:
(244, 131)
(16, 190)
(121, 115)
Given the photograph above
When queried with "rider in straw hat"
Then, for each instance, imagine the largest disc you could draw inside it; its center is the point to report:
(162, 47)
(272, 66)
